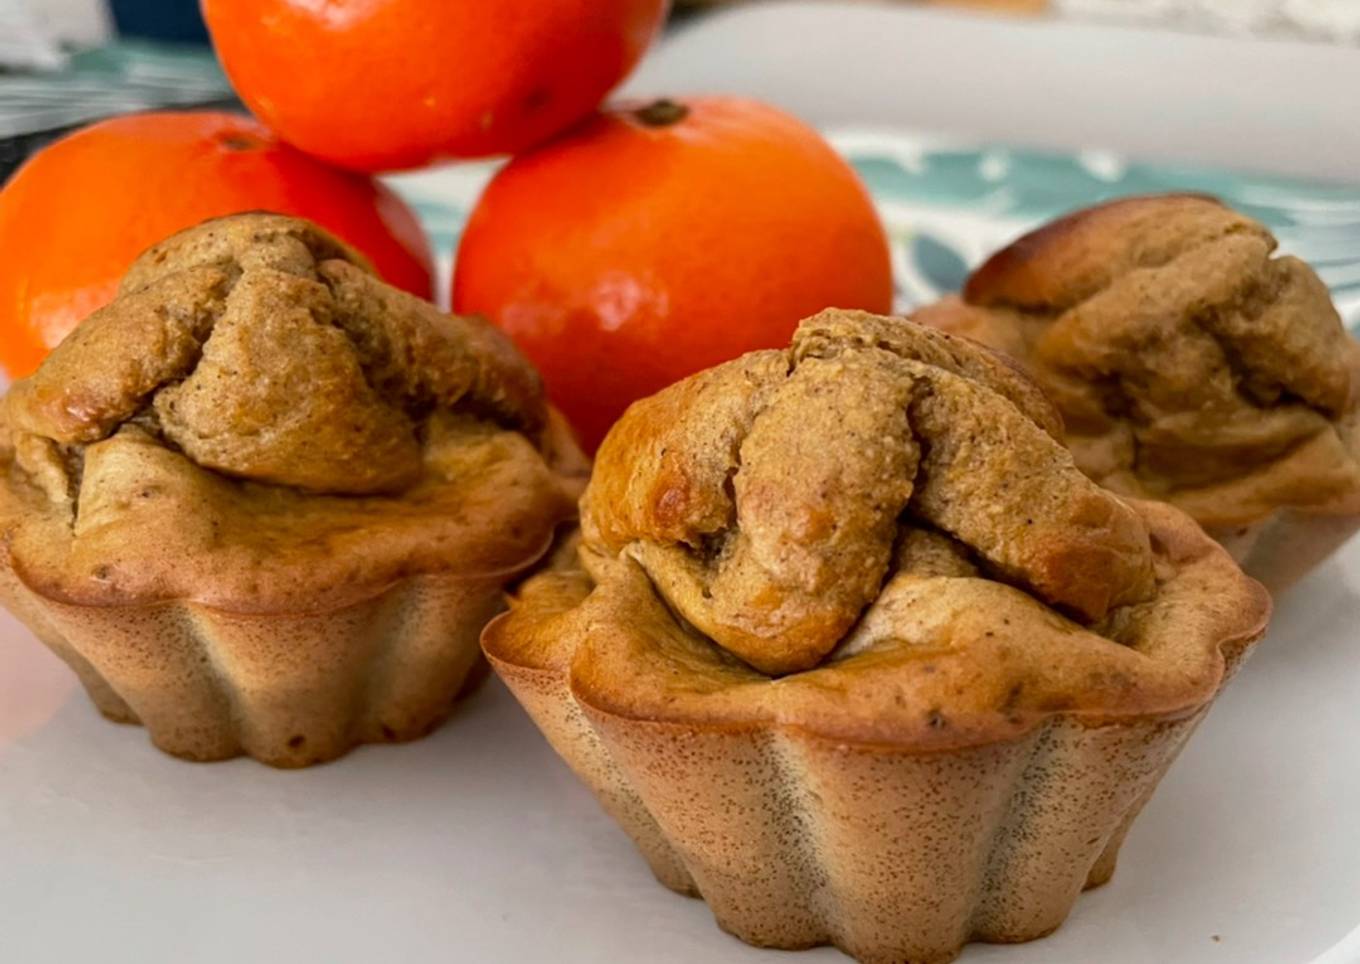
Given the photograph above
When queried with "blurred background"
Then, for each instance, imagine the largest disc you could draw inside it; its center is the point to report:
(969, 120)
(66, 62)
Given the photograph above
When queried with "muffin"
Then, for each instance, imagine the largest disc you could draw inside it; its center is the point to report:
(853, 651)
(1190, 365)
(264, 503)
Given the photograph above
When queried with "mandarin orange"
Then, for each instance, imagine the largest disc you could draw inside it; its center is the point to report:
(384, 85)
(656, 240)
(78, 212)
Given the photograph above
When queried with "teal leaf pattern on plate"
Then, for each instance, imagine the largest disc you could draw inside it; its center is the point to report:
(974, 198)
(947, 204)
(939, 263)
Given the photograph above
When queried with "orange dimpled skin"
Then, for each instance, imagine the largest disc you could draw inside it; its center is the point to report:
(653, 241)
(381, 85)
(77, 214)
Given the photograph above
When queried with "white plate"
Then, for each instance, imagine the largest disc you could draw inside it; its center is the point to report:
(478, 845)
(1285, 107)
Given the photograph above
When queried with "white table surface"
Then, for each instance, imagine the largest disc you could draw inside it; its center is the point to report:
(477, 844)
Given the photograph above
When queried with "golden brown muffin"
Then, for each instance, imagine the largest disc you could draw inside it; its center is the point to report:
(852, 649)
(1191, 365)
(263, 503)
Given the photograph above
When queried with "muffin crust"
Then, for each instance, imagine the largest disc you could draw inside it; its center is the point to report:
(257, 421)
(1190, 363)
(263, 503)
(764, 497)
(853, 651)
(879, 548)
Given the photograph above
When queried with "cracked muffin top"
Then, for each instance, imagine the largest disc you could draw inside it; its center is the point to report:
(255, 404)
(769, 498)
(882, 520)
(1189, 362)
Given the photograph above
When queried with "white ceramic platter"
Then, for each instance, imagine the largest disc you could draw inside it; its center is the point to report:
(477, 844)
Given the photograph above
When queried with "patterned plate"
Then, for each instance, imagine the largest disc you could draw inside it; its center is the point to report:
(947, 204)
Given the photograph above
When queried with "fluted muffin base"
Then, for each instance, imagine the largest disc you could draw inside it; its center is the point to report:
(834, 806)
(289, 689)
(892, 856)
